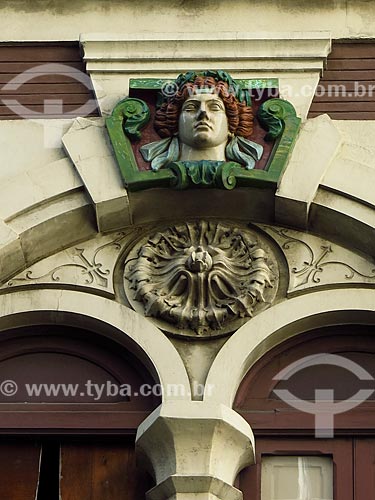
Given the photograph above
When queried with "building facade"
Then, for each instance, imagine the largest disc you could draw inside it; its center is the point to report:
(190, 330)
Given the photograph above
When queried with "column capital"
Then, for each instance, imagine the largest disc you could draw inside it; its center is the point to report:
(192, 448)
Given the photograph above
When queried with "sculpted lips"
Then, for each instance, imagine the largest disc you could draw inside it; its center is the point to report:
(203, 125)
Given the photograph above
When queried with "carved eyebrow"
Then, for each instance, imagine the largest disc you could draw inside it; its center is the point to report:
(191, 101)
(196, 101)
(215, 101)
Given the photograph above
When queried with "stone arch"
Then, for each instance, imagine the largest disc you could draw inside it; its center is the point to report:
(105, 317)
(273, 326)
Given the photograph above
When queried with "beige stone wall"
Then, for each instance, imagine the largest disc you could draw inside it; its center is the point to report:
(66, 20)
(60, 186)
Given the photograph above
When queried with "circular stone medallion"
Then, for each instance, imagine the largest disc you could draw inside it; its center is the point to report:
(201, 278)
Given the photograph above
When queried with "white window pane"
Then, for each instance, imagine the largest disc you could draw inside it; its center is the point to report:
(297, 478)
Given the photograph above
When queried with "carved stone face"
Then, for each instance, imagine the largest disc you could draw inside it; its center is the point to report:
(203, 122)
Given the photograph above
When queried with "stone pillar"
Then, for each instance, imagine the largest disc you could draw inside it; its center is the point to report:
(194, 451)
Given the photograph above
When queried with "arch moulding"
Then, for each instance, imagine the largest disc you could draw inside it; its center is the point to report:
(161, 439)
(277, 324)
(73, 308)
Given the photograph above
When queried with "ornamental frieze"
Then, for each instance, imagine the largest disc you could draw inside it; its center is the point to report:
(201, 278)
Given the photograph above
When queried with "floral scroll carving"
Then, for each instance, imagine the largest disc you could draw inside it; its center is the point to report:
(201, 276)
(314, 262)
(89, 266)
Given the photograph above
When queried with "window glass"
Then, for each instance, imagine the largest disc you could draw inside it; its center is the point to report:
(297, 478)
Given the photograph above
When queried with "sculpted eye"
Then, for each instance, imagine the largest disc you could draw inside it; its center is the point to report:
(190, 107)
(216, 106)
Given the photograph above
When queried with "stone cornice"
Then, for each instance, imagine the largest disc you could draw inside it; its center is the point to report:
(232, 51)
(297, 59)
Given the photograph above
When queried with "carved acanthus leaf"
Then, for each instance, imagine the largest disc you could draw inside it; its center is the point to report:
(201, 276)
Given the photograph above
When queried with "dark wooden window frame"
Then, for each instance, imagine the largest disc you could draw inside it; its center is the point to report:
(250, 478)
(268, 416)
(71, 449)
(283, 431)
(118, 418)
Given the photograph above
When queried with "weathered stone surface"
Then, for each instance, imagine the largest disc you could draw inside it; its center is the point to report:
(29, 144)
(37, 186)
(88, 146)
(318, 143)
(195, 443)
(88, 266)
(201, 277)
(295, 58)
(315, 262)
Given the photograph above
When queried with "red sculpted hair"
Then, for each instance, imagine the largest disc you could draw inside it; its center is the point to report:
(240, 116)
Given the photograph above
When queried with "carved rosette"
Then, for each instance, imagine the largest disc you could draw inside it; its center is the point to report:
(201, 277)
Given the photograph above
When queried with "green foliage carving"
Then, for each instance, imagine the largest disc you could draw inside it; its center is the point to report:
(134, 115)
(242, 94)
(273, 114)
(205, 173)
(128, 118)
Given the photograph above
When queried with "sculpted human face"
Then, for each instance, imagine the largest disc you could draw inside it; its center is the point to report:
(203, 122)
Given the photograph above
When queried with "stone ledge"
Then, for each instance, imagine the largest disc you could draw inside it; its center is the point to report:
(317, 145)
(296, 58)
(193, 487)
(259, 51)
(62, 222)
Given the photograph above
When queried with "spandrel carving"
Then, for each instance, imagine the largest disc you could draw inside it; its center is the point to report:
(201, 277)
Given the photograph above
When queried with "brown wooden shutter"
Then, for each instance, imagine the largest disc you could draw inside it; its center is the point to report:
(346, 90)
(19, 470)
(364, 458)
(101, 471)
(16, 58)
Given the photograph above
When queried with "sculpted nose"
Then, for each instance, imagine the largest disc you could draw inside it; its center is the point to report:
(202, 113)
